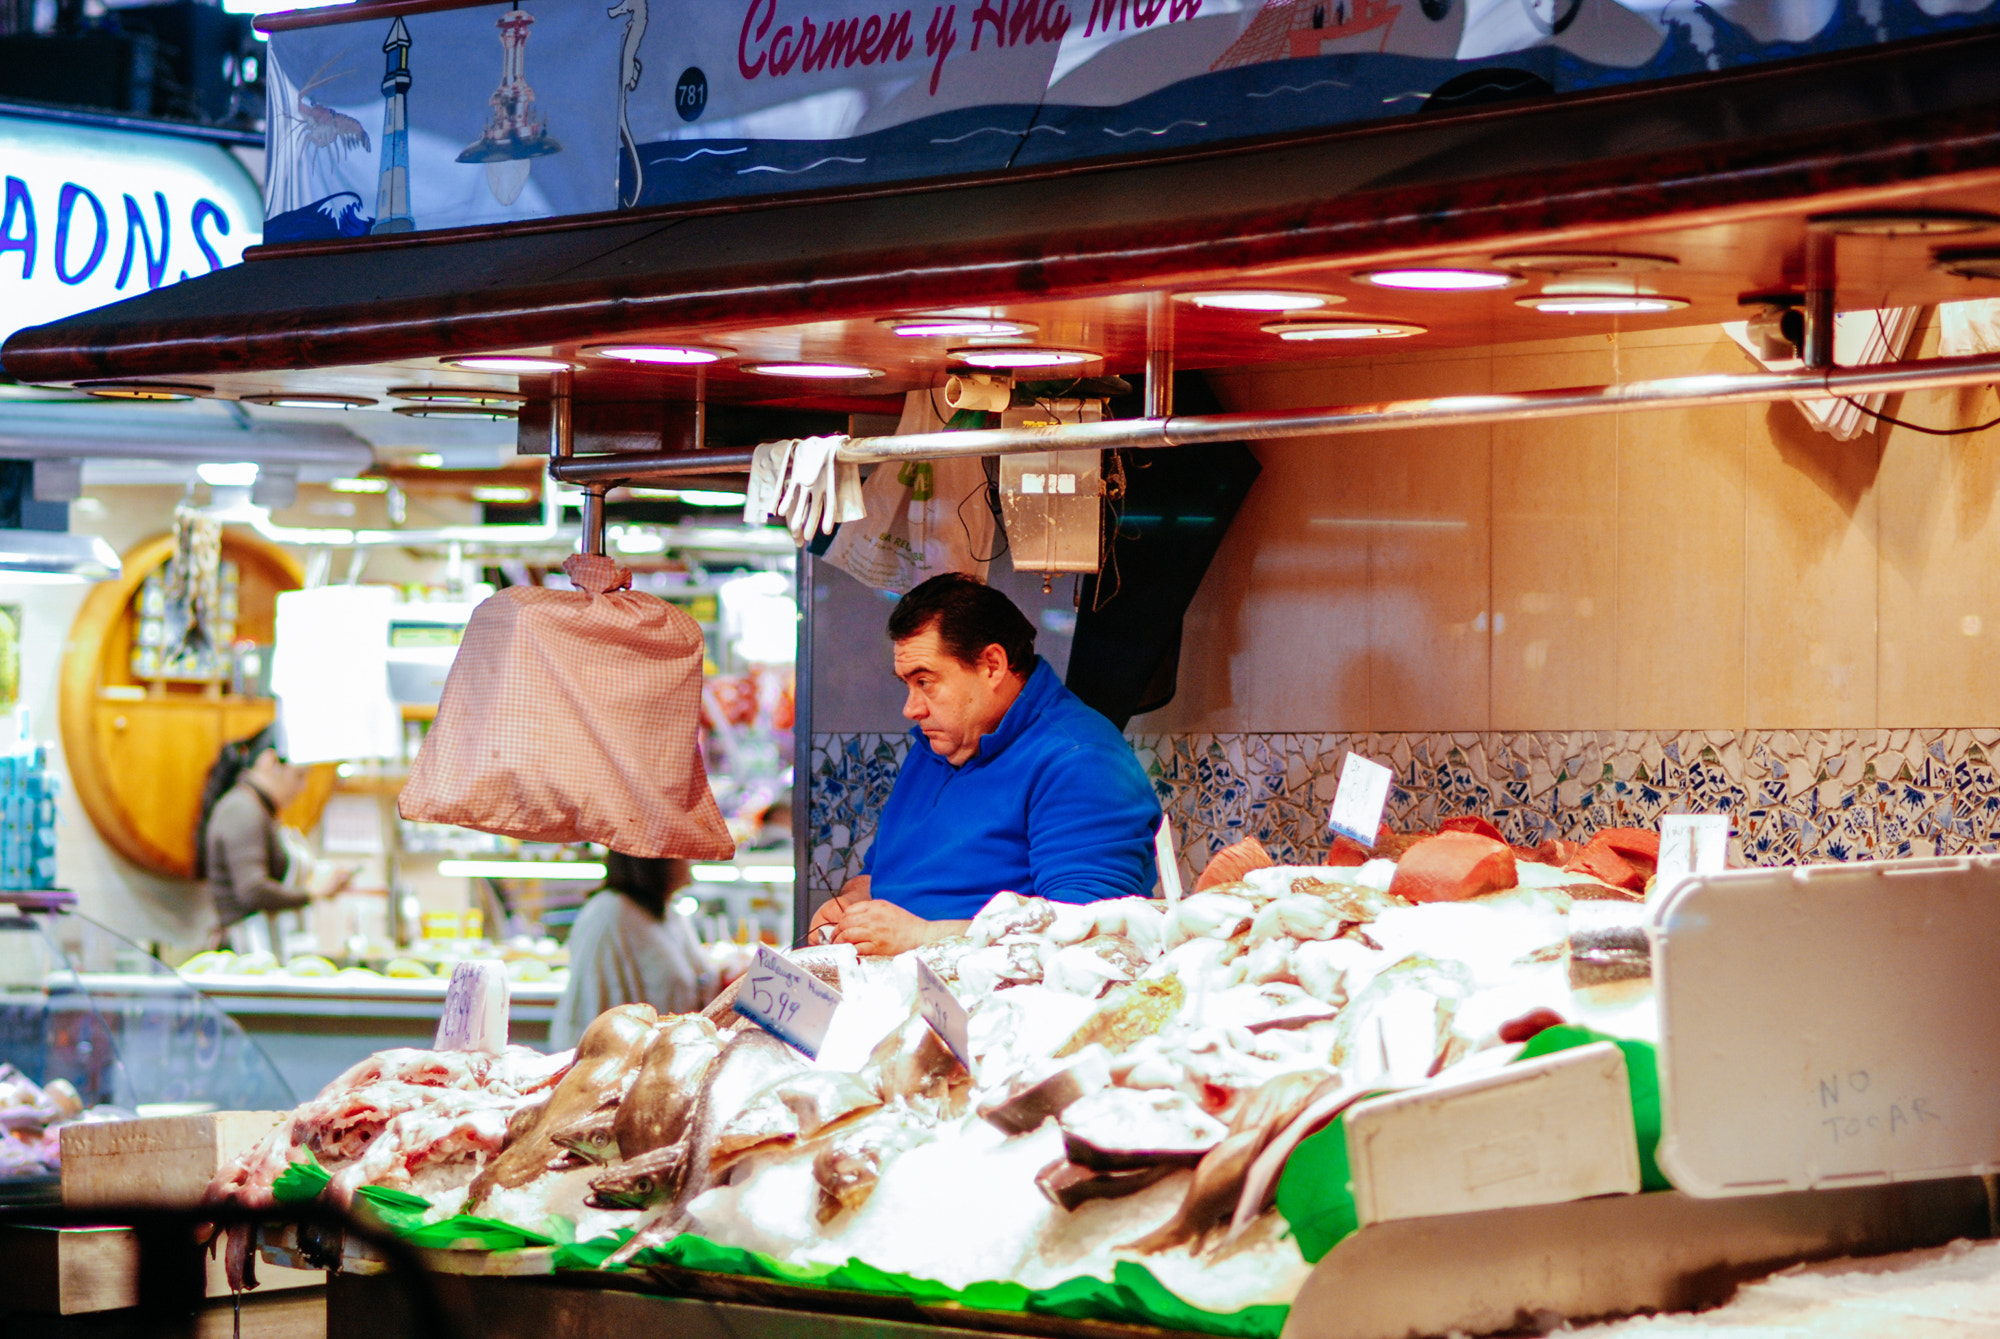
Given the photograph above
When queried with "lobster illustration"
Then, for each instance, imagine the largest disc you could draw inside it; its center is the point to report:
(322, 127)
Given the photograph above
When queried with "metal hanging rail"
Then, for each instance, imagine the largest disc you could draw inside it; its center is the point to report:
(1388, 416)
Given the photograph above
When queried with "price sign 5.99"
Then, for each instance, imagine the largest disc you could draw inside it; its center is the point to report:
(787, 1001)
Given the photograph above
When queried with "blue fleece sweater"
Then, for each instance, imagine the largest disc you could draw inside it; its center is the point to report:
(1052, 805)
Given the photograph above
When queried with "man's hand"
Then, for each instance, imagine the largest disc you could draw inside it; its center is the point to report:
(883, 929)
(834, 910)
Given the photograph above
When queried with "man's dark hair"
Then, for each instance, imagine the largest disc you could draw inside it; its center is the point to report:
(969, 616)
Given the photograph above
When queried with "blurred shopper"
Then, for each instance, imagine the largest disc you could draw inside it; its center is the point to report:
(241, 851)
(629, 946)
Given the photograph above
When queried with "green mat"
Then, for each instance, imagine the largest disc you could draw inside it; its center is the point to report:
(1316, 1189)
(1132, 1295)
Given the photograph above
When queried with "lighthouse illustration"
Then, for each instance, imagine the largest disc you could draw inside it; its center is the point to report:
(392, 197)
(516, 133)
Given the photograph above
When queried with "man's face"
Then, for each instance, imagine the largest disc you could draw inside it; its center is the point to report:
(952, 702)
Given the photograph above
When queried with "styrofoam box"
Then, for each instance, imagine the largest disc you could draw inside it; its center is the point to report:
(1829, 1025)
(1543, 1131)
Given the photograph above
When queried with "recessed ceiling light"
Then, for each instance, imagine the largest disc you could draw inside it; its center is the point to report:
(144, 390)
(310, 401)
(955, 327)
(816, 371)
(238, 475)
(1355, 329)
(1904, 222)
(430, 460)
(359, 485)
(510, 362)
(1258, 299)
(1020, 355)
(1601, 304)
(1970, 264)
(493, 413)
(1431, 280)
(1584, 262)
(663, 355)
(502, 493)
(472, 395)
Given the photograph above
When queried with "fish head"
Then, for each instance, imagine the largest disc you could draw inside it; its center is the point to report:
(640, 1183)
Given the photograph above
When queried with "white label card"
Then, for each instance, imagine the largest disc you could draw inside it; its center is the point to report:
(943, 1012)
(787, 1001)
(1358, 804)
(1692, 844)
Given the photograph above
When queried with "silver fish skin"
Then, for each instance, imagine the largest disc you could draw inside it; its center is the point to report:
(912, 1064)
(657, 1108)
(751, 1061)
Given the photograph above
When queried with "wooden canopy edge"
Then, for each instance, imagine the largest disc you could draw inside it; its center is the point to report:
(1892, 124)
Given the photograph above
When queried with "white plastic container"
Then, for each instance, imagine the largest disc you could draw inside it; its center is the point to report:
(1544, 1131)
(1830, 1025)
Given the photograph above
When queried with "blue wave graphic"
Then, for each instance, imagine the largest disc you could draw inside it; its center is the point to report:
(793, 171)
(336, 215)
(1299, 88)
(1143, 130)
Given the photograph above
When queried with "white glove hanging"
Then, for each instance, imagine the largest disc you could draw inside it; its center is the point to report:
(808, 492)
(768, 463)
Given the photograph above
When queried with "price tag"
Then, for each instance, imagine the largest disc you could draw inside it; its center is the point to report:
(1692, 844)
(943, 1012)
(787, 1001)
(1358, 804)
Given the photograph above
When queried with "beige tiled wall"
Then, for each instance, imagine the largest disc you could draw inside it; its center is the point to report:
(1713, 568)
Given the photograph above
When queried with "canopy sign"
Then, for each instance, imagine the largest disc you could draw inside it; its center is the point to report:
(89, 215)
(669, 101)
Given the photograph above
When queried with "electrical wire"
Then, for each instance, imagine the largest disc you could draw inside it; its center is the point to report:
(1882, 329)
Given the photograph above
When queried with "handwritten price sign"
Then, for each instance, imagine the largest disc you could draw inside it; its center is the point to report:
(943, 1012)
(787, 1001)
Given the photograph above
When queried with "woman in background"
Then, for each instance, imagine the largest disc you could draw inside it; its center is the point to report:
(240, 851)
(629, 947)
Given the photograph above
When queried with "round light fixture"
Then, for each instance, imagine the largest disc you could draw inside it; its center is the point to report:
(493, 413)
(1904, 222)
(660, 355)
(510, 362)
(237, 474)
(1355, 329)
(1258, 299)
(1020, 355)
(1601, 304)
(143, 390)
(310, 401)
(1970, 264)
(1434, 280)
(1584, 262)
(956, 327)
(461, 395)
(816, 371)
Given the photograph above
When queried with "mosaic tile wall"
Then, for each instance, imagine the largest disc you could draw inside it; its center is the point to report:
(1798, 796)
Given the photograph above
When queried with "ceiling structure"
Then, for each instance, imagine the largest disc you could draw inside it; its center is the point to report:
(1712, 191)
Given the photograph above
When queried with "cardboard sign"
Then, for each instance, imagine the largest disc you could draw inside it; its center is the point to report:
(943, 1012)
(787, 1001)
(1358, 804)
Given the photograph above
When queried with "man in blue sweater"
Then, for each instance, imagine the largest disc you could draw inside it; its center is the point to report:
(1021, 786)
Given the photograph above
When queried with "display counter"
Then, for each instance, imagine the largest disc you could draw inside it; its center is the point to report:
(313, 1028)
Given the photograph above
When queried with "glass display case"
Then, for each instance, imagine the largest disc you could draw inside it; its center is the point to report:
(82, 1004)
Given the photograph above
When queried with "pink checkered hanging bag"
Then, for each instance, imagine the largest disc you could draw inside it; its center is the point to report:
(574, 716)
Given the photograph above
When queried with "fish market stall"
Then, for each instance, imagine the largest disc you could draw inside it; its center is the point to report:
(1296, 1102)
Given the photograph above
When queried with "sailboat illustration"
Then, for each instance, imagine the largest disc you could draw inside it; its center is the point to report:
(1293, 29)
(516, 133)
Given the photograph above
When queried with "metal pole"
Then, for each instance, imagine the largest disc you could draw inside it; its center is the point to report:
(1160, 357)
(802, 715)
(593, 518)
(1388, 416)
(700, 406)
